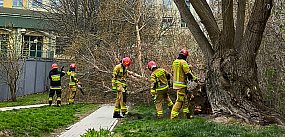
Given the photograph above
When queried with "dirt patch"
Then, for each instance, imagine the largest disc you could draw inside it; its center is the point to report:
(5, 133)
(224, 120)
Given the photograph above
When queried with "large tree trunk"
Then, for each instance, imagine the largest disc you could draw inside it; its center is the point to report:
(139, 49)
(232, 77)
(232, 83)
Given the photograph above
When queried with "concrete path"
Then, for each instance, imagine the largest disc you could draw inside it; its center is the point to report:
(100, 119)
(19, 107)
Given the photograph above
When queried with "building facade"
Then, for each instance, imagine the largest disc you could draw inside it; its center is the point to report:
(171, 21)
(25, 29)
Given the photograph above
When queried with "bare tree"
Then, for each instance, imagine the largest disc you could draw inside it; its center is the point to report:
(232, 82)
(11, 64)
(99, 36)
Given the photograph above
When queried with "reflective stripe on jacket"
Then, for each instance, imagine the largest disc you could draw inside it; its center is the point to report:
(158, 80)
(55, 78)
(180, 68)
(72, 78)
(119, 75)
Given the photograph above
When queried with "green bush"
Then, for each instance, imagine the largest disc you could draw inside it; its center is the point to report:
(94, 133)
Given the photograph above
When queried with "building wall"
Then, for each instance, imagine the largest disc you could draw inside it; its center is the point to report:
(21, 23)
(8, 3)
(27, 4)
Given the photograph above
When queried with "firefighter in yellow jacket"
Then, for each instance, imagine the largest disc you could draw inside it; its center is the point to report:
(119, 86)
(159, 84)
(181, 72)
(73, 83)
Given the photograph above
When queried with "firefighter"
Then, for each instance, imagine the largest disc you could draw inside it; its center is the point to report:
(73, 83)
(159, 87)
(55, 84)
(181, 72)
(119, 86)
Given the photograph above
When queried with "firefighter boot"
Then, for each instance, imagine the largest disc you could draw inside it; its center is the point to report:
(124, 113)
(188, 115)
(170, 107)
(58, 103)
(49, 102)
(117, 115)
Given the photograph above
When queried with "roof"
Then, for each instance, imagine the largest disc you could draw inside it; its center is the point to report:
(22, 18)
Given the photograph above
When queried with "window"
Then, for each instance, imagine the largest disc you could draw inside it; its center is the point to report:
(183, 24)
(33, 46)
(167, 21)
(37, 3)
(187, 3)
(4, 38)
(1, 3)
(54, 3)
(167, 4)
(17, 3)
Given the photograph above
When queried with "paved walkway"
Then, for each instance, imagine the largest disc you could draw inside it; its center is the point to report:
(19, 107)
(100, 119)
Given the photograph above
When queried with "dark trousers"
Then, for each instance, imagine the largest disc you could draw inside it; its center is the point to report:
(58, 95)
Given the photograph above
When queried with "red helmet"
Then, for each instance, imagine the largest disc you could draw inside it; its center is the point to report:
(126, 61)
(151, 65)
(54, 65)
(72, 66)
(184, 52)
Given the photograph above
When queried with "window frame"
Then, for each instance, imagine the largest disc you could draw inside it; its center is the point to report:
(4, 43)
(167, 21)
(29, 42)
(36, 3)
(19, 3)
(1, 3)
(54, 3)
(167, 4)
(183, 23)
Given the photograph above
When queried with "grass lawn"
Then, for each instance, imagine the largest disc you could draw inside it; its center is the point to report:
(40, 121)
(141, 123)
(39, 98)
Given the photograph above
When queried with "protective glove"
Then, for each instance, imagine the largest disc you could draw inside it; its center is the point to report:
(169, 84)
(126, 88)
(114, 89)
(188, 91)
(62, 68)
(154, 98)
(196, 79)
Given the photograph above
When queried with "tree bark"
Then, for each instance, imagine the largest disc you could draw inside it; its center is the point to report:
(208, 19)
(137, 17)
(232, 84)
(195, 29)
(139, 49)
(232, 78)
(240, 23)
(228, 25)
